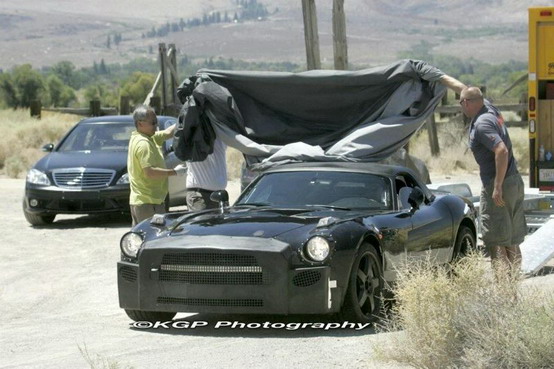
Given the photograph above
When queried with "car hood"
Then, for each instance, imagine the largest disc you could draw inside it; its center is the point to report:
(115, 160)
(264, 223)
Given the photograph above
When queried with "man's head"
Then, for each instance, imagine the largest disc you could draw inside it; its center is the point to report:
(471, 100)
(145, 120)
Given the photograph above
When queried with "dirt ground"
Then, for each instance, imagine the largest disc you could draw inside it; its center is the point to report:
(58, 297)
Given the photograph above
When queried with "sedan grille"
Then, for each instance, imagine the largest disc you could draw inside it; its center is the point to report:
(211, 268)
(83, 177)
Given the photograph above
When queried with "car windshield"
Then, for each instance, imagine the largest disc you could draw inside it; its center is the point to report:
(326, 189)
(98, 136)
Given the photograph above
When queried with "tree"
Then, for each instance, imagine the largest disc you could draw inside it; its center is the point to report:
(60, 94)
(8, 92)
(28, 83)
(138, 86)
(65, 70)
(108, 42)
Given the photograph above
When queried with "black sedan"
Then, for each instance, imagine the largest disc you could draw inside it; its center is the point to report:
(311, 238)
(87, 171)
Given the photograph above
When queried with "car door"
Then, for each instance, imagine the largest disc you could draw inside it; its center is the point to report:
(430, 236)
(177, 184)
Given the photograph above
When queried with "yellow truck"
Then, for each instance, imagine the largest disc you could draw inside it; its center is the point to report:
(541, 98)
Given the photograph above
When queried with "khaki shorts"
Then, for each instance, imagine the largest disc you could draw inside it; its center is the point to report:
(145, 211)
(503, 225)
(199, 199)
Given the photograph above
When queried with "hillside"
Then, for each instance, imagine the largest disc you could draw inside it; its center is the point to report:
(42, 32)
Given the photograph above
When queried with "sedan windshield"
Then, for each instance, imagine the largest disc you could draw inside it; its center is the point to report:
(325, 189)
(98, 136)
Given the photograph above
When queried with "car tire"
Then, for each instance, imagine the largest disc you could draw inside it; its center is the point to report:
(363, 301)
(36, 219)
(465, 242)
(149, 316)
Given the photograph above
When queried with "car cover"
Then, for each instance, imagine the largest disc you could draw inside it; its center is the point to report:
(318, 115)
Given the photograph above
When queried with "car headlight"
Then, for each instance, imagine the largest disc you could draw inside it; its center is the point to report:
(124, 179)
(35, 176)
(317, 248)
(130, 244)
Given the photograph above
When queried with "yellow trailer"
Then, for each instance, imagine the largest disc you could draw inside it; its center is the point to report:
(541, 98)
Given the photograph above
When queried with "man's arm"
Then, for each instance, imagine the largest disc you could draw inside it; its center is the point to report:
(156, 173)
(501, 164)
(168, 132)
(452, 83)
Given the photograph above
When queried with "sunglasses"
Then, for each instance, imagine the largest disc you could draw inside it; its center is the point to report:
(463, 100)
(154, 123)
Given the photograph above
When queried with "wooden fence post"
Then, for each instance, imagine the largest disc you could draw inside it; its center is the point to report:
(156, 103)
(310, 34)
(340, 47)
(95, 108)
(124, 107)
(36, 108)
(433, 139)
(162, 54)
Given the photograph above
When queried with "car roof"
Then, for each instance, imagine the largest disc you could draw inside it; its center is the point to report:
(364, 167)
(118, 119)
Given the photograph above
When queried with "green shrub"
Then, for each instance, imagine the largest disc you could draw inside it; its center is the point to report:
(464, 318)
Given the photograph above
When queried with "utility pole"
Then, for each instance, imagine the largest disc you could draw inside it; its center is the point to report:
(340, 48)
(310, 34)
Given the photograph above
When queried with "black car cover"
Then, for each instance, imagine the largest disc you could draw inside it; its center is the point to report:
(320, 115)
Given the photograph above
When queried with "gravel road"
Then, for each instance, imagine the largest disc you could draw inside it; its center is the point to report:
(58, 296)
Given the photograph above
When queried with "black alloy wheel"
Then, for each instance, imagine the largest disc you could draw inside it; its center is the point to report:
(149, 316)
(364, 299)
(465, 243)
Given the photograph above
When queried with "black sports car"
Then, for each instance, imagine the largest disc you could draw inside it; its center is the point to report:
(310, 238)
(87, 171)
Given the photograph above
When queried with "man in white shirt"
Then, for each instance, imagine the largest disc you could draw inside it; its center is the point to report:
(205, 177)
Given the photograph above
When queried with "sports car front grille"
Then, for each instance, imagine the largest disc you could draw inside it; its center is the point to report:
(212, 268)
(128, 274)
(211, 302)
(306, 278)
(83, 177)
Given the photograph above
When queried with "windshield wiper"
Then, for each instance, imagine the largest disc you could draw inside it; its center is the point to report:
(328, 207)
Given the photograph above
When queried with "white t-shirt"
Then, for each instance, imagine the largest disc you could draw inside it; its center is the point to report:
(210, 174)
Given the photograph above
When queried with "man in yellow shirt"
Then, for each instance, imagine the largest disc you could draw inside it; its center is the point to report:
(146, 166)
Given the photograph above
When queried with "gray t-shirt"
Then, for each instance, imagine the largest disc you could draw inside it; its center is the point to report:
(486, 131)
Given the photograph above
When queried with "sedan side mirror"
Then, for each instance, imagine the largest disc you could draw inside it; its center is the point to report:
(416, 198)
(48, 147)
(221, 197)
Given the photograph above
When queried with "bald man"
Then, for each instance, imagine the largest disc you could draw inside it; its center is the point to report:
(502, 216)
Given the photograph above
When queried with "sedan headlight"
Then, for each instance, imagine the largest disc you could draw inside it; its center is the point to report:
(35, 176)
(317, 248)
(124, 179)
(130, 244)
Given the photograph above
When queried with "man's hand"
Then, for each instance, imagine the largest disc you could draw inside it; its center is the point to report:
(180, 170)
(497, 196)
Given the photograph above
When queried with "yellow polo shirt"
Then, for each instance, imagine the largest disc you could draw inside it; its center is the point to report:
(145, 151)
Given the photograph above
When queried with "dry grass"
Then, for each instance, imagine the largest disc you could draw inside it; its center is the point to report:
(455, 155)
(464, 318)
(96, 361)
(20, 145)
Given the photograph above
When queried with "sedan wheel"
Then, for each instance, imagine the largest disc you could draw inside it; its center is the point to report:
(38, 220)
(363, 300)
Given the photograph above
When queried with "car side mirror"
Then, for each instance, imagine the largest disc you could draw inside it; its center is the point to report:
(221, 197)
(48, 147)
(416, 198)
